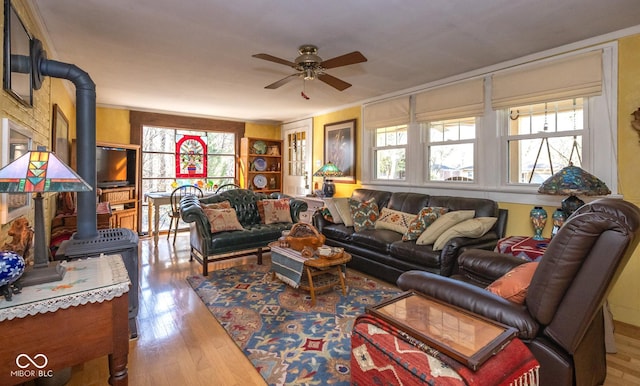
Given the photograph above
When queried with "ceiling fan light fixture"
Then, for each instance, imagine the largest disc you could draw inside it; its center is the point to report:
(309, 74)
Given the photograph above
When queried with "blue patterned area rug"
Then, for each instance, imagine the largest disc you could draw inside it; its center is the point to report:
(288, 341)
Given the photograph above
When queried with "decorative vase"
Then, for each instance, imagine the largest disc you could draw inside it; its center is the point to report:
(539, 219)
(558, 220)
(11, 268)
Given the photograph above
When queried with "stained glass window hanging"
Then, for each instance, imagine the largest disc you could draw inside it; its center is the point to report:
(191, 159)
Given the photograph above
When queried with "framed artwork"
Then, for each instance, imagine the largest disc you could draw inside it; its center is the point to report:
(17, 57)
(60, 143)
(191, 157)
(340, 148)
(14, 142)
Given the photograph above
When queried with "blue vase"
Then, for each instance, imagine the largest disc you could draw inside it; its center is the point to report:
(11, 268)
(539, 219)
(558, 220)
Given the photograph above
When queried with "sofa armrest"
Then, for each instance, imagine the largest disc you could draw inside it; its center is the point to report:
(471, 298)
(191, 212)
(485, 267)
(453, 248)
(296, 207)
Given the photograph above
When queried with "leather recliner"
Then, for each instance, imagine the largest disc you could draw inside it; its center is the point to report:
(562, 319)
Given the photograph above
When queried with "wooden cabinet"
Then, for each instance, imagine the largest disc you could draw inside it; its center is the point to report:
(124, 206)
(261, 168)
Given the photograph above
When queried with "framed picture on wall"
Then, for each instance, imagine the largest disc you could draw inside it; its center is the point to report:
(60, 143)
(340, 148)
(14, 143)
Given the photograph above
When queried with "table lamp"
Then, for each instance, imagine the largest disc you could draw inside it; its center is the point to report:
(328, 170)
(39, 172)
(572, 181)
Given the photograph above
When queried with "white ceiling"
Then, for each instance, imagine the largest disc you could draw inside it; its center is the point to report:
(193, 57)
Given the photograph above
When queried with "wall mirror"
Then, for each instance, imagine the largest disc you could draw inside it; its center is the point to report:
(15, 141)
(17, 67)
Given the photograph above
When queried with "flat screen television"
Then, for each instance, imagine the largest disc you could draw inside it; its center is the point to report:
(115, 167)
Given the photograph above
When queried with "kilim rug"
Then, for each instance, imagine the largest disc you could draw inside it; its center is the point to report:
(287, 340)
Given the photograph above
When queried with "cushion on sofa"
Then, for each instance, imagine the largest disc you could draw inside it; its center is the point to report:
(473, 228)
(221, 220)
(514, 284)
(375, 239)
(364, 214)
(276, 211)
(394, 220)
(425, 217)
(444, 222)
(342, 205)
(330, 203)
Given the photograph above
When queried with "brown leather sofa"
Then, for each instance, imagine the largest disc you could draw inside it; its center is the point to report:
(561, 320)
(383, 254)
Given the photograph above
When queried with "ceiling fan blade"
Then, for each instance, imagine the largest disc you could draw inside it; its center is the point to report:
(344, 60)
(272, 58)
(282, 81)
(334, 82)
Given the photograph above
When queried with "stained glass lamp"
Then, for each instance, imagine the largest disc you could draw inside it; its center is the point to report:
(39, 172)
(328, 170)
(572, 181)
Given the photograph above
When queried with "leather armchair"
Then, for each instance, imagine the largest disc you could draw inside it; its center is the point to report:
(561, 320)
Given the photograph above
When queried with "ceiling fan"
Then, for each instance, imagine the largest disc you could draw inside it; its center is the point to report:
(310, 66)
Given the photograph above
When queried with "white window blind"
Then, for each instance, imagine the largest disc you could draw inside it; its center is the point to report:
(464, 99)
(570, 77)
(393, 112)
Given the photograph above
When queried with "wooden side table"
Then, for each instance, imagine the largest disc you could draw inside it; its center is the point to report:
(329, 269)
(52, 326)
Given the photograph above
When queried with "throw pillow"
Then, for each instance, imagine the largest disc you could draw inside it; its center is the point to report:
(218, 205)
(342, 205)
(444, 222)
(330, 203)
(425, 217)
(276, 211)
(514, 284)
(473, 228)
(364, 214)
(221, 220)
(324, 211)
(394, 220)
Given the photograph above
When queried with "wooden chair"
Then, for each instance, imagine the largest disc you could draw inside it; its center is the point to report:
(225, 187)
(176, 196)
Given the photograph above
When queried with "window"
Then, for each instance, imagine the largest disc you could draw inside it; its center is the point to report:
(390, 153)
(543, 138)
(159, 167)
(451, 148)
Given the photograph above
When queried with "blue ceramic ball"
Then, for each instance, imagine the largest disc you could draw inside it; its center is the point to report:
(11, 267)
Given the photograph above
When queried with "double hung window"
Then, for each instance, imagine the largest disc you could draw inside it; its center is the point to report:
(451, 147)
(543, 138)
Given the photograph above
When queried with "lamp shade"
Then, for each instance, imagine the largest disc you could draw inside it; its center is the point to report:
(40, 171)
(573, 180)
(328, 170)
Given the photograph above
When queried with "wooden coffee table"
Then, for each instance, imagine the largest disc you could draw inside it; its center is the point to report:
(329, 269)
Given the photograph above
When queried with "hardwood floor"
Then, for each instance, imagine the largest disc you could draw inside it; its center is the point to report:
(180, 342)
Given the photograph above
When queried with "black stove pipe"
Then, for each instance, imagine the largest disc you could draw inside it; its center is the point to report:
(87, 227)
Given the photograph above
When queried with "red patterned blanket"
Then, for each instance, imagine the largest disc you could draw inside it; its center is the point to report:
(380, 355)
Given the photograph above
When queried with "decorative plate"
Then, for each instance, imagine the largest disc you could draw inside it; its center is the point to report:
(260, 181)
(260, 164)
(260, 147)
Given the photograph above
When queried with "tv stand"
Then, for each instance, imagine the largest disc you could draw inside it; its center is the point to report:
(112, 184)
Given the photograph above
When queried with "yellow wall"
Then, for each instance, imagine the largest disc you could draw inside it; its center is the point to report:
(318, 145)
(626, 292)
(112, 125)
(257, 130)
